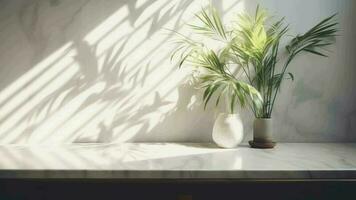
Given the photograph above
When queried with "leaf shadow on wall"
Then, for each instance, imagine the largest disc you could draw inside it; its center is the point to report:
(187, 110)
(56, 115)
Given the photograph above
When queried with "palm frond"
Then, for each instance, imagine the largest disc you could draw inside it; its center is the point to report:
(185, 47)
(313, 41)
(238, 91)
(211, 23)
(207, 59)
(252, 38)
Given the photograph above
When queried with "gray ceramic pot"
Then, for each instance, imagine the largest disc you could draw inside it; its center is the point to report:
(263, 130)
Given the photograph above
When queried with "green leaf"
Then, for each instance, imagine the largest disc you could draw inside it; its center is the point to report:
(315, 52)
(211, 23)
(291, 76)
(211, 92)
(318, 36)
(232, 102)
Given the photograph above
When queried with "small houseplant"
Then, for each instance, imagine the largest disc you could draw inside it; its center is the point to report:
(251, 52)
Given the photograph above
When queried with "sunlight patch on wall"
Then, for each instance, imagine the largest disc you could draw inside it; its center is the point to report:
(108, 26)
(30, 82)
(114, 84)
(37, 86)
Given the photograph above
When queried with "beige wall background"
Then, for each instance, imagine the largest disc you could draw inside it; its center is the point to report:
(99, 71)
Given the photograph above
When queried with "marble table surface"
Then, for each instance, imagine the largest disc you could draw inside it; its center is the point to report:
(179, 160)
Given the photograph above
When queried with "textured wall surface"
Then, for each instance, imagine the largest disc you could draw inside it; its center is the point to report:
(99, 71)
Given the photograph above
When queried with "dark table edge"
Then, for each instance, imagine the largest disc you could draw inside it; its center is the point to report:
(240, 175)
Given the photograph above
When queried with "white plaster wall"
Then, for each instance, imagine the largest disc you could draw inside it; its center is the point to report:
(99, 71)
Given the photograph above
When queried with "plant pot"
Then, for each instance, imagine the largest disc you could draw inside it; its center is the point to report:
(262, 133)
(228, 130)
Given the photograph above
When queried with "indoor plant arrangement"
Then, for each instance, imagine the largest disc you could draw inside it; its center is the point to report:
(213, 70)
(245, 68)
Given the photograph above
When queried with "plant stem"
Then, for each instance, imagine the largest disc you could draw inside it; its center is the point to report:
(270, 85)
(280, 81)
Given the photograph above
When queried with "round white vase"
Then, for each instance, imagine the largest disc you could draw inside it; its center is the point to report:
(228, 130)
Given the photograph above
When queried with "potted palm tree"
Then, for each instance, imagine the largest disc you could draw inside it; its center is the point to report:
(256, 46)
(246, 67)
(212, 70)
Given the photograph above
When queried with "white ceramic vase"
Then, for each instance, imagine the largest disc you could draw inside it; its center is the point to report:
(228, 130)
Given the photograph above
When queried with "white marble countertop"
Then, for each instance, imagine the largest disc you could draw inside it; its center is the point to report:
(179, 160)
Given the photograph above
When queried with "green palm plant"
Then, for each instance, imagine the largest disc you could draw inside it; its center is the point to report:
(252, 44)
(215, 76)
(257, 45)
